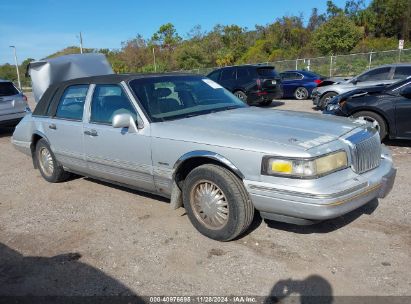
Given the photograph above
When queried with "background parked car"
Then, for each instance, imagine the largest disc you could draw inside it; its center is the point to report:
(13, 105)
(299, 84)
(383, 75)
(388, 108)
(251, 83)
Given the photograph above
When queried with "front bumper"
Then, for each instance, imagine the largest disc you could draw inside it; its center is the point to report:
(315, 96)
(255, 97)
(276, 203)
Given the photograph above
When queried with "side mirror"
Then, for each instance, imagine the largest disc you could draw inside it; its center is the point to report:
(354, 81)
(125, 121)
(406, 92)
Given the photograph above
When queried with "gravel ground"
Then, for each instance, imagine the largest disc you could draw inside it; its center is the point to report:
(85, 237)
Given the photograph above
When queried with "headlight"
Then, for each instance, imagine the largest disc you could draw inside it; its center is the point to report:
(305, 168)
(333, 107)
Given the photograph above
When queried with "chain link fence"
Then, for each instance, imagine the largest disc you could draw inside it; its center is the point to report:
(338, 65)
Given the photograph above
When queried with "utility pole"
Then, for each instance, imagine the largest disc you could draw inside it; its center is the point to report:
(81, 44)
(154, 58)
(17, 65)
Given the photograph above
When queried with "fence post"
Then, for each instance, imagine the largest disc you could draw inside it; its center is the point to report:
(331, 65)
(369, 63)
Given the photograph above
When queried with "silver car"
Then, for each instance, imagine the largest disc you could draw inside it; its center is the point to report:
(13, 104)
(186, 138)
(381, 75)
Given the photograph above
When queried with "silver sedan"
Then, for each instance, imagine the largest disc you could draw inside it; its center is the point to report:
(186, 138)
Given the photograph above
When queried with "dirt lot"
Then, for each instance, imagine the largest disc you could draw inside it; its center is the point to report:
(84, 237)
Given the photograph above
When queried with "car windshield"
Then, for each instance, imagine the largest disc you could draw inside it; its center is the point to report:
(7, 89)
(175, 97)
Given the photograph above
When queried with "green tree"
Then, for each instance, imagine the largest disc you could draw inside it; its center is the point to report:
(338, 35)
(166, 36)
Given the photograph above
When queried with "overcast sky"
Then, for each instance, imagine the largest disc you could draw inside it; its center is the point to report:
(42, 27)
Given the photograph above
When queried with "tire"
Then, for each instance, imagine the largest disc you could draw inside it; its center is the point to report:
(208, 181)
(241, 95)
(266, 103)
(375, 119)
(48, 166)
(301, 93)
(325, 99)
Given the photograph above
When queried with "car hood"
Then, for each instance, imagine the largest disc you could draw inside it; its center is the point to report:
(256, 129)
(360, 92)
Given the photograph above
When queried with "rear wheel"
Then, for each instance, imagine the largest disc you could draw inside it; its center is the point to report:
(301, 93)
(49, 168)
(241, 95)
(217, 203)
(375, 119)
(325, 99)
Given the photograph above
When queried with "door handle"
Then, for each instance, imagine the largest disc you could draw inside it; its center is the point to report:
(53, 126)
(91, 133)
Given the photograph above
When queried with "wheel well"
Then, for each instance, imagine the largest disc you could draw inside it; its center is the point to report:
(34, 139)
(190, 164)
(322, 95)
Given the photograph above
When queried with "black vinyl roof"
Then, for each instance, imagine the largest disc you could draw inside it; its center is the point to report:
(48, 102)
(116, 78)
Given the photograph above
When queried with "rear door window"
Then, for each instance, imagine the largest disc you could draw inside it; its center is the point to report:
(242, 73)
(267, 72)
(8, 89)
(71, 105)
(228, 74)
(375, 75)
(214, 75)
(402, 72)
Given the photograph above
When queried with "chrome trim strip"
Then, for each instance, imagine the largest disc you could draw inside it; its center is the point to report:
(206, 154)
(307, 195)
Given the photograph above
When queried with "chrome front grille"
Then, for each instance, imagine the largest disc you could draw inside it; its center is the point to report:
(365, 150)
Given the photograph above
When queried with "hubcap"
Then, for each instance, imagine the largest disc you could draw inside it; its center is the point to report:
(370, 120)
(241, 96)
(209, 204)
(300, 93)
(46, 161)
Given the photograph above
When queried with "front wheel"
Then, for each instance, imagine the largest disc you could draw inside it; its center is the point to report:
(375, 120)
(217, 203)
(301, 93)
(325, 99)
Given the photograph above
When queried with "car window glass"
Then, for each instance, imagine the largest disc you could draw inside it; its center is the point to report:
(375, 75)
(267, 72)
(214, 75)
(298, 76)
(7, 89)
(168, 97)
(402, 72)
(228, 74)
(109, 100)
(242, 73)
(71, 105)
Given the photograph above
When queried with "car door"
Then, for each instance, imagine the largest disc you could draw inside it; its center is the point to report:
(292, 81)
(228, 78)
(403, 113)
(116, 154)
(64, 127)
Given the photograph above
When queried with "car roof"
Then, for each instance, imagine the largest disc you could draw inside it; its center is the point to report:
(247, 66)
(4, 80)
(117, 78)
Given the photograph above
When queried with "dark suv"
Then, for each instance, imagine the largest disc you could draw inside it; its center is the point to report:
(251, 83)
